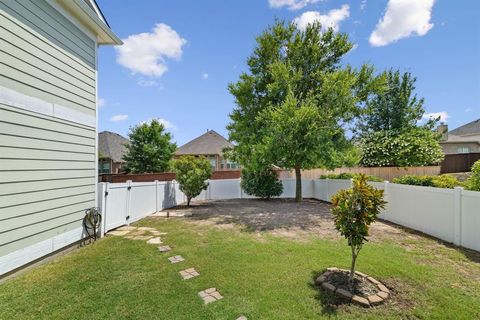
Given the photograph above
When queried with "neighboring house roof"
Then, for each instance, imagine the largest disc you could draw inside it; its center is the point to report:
(112, 145)
(208, 143)
(472, 128)
(468, 133)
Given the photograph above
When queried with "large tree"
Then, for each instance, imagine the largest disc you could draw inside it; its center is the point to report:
(293, 103)
(390, 131)
(397, 108)
(150, 148)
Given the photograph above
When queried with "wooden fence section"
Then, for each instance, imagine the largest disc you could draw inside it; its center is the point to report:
(162, 176)
(461, 162)
(385, 173)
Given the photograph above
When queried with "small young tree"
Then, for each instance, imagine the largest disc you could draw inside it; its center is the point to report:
(263, 183)
(150, 148)
(353, 211)
(191, 174)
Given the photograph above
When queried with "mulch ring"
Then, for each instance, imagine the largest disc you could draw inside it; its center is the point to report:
(364, 290)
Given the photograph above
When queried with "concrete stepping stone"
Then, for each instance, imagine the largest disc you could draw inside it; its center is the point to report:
(136, 233)
(189, 273)
(164, 249)
(143, 238)
(117, 233)
(210, 295)
(242, 318)
(157, 233)
(127, 228)
(176, 259)
(156, 240)
(146, 229)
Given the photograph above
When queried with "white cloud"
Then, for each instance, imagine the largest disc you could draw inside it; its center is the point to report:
(331, 19)
(291, 4)
(119, 117)
(101, 102)
(363, 4)
(204, 76)
(402, 19)
(444, 116)
(146, 53)
(147, 82)
(167, 124)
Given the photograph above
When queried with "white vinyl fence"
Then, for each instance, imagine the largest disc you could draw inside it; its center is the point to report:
(452, 215)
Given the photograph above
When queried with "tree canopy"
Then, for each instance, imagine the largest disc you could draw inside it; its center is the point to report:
(390, 130)
(293, 104)
(395, 108)
(150, 148)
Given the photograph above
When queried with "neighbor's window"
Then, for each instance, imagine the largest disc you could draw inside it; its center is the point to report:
(105, 167)
(229, 164)
(463, 150)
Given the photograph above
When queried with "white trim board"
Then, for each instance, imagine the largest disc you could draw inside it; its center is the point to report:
(26, 102)
(31, 253)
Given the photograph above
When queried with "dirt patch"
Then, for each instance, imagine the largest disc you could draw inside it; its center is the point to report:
(359, 286)
(280, 217)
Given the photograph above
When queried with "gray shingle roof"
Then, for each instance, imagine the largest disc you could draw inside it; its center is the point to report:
(112, 145)
(467, 129)
(208, 143)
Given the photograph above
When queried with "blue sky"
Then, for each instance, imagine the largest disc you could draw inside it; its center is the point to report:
(180, 55)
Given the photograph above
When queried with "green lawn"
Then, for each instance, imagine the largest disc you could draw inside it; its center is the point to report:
(260, 276)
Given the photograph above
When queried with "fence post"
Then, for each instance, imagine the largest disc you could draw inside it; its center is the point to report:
(127, 204)
(457, 215)
(156, 195)
(103, 208)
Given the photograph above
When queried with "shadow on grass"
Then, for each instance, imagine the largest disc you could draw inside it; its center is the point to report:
(470, 254)
(329, 302)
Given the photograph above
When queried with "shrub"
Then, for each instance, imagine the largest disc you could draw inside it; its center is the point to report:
(446, 181)
(426, 181)
(347, 176)
(353, 211)
(417, 147)
(191, 174)
(473, 183)
(262, 183)
(441, 181)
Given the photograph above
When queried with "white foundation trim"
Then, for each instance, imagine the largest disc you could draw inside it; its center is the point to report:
(31, 253)
(22, 101)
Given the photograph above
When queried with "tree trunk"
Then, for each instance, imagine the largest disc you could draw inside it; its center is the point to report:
(352, 267)
(188, 201)
(298, 184)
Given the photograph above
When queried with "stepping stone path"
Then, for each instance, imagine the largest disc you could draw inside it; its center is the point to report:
(176, 259)
(189, 273)
(156, 240)
(210, 295)
(151, 236)
(164, 249)
(242, 318)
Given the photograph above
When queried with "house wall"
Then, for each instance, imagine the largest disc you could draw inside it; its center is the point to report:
(47, 130)
(452, 148)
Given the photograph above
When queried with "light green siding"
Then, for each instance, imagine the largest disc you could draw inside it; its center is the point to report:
(47, 164)
(37, 61)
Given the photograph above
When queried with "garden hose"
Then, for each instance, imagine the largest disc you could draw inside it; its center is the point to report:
(91, 222)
